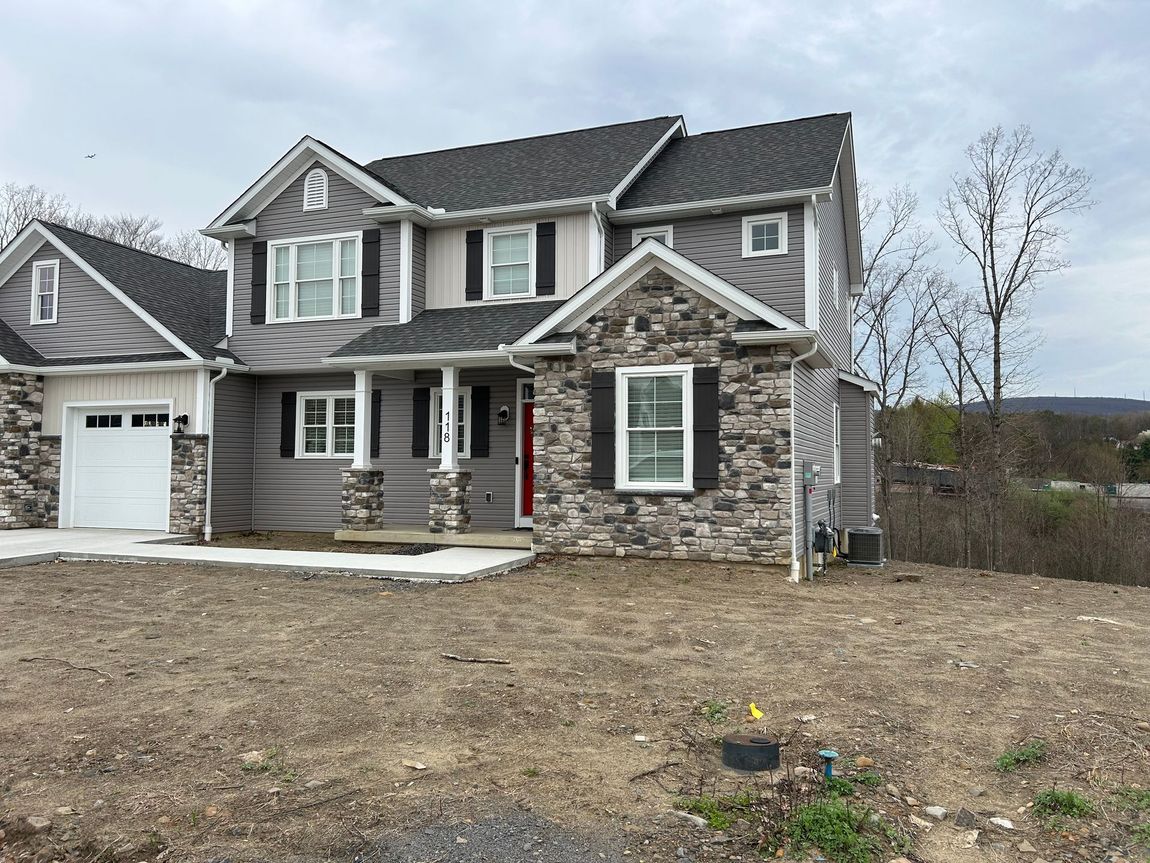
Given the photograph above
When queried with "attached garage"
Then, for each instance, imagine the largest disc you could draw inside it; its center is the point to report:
(117, 467)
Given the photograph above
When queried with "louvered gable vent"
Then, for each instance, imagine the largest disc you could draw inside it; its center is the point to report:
(315, 190)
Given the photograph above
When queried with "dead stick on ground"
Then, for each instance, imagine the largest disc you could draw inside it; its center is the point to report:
(317, 802)
(66, 662)
(475, 659)
(655, 770)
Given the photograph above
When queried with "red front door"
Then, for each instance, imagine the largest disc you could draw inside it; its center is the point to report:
(527, 458)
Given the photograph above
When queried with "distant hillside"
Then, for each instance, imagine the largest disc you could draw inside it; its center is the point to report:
(1091, 405)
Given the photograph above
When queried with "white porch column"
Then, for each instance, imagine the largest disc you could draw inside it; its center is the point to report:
(448, 447)
(361, 457)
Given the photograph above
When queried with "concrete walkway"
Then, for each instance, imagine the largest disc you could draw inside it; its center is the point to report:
(22, 547)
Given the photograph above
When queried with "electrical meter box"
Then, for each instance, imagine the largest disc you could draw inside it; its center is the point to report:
(811, 473)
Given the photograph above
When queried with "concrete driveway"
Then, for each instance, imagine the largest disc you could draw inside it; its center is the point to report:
(460, 563)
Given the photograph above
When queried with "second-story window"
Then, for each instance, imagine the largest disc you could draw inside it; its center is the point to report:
(764, 235)
(316, 278)
(45, 290)
(665, 234)
(509, 263)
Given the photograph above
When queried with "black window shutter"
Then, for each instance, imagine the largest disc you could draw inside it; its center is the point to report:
(545, 259)
(705, 396)
(376, 404)
(480, 422)
(602, 429)
(287, 425)
(474, 289)
(420, 417)
(369, 275)
(259, 282)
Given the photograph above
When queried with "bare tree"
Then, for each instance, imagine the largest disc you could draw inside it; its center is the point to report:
(21, 204)
(1005, 217)
(139, 232)
(193, 248)
(893, 314)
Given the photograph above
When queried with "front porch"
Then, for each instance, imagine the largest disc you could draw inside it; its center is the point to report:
(406, 534)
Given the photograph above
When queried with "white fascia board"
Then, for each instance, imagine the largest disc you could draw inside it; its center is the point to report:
(300, 156)
(850, 204)
(741, 202)
(867, 385)
(646, 256)
(235, 231)
(127, 301)
(678, 129)
(413, 361)
(104, 368)
(489, 214)
(542, 350)
(22, 247)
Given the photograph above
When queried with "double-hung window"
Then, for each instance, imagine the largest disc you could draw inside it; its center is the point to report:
(838, 446)
(457, 422)
(314, 279)
(326, 424)
(45, 291)
(510, 264)
(764, 235)
(653, 428)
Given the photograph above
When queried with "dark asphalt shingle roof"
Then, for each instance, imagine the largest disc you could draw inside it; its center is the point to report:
(15, 350)
(755, 160)
(117, 358)
(469, 328)
(573, 164)
(188, 301)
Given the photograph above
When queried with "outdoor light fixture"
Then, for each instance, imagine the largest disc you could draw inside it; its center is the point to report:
(180, 423)
(504, 415)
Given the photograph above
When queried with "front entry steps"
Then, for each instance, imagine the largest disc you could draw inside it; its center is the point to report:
(405, 534)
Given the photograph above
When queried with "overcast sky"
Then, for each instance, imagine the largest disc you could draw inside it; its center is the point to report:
(187, 103)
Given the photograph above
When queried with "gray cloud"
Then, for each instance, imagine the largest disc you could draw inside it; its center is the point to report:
(187, 103)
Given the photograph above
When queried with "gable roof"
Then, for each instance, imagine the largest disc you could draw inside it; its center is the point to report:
(15, 351)
(789, 156)
(582, 163)
(466, 328)
(184, 299)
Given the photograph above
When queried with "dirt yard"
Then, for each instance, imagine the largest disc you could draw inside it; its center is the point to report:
(193, 714)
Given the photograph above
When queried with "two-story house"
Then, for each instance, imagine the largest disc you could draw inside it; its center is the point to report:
(625, 339)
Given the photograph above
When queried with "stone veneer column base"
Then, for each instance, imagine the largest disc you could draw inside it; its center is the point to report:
(449, 506)
(362, 498)
(21, 403)
(50, 479)
(189, 483)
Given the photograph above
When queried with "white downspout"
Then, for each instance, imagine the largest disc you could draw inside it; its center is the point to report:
(520, 366)
(211, 429)
(794, 513)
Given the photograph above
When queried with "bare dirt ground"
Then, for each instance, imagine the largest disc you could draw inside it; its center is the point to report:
(333, 686)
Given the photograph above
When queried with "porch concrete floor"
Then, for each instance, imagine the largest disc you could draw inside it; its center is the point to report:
(407, 534)
(21, 547)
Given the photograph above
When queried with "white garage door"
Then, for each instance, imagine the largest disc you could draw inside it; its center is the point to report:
(122, 461)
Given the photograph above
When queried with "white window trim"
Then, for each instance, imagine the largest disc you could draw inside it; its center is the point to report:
(509, 229)
(330, 423)
(749, 221)
(270, 301)
(54, 266)
(638, 235)
(838, 455)
(307, 180)
(622, 457)
(433, 448)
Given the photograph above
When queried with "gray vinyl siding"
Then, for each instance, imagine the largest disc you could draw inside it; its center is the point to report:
(304, 343)
(89, 320)
(418, 269)
(304, 494)
(716, 242)
(858, 460)
(233, 453)
(608, 244)
(816, 391)
(834, 309)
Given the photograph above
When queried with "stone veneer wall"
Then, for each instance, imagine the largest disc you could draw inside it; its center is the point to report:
(189, 483)
(748, 517)
(449, 503)
(21, 403)
(50, 480)
(362, 498)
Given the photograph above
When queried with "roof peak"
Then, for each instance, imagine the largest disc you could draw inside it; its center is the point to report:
(772, 123)
(668, 117)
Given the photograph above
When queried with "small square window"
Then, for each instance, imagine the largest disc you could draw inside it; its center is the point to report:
(665, 234)
(764, 235)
